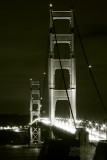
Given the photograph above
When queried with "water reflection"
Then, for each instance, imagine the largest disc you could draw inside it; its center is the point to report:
(18, 152)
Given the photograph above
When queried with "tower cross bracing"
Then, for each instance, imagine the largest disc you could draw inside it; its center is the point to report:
(54, 64)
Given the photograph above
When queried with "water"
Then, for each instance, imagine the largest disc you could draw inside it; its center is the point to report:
(18, 152)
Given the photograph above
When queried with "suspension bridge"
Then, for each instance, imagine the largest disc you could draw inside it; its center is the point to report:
(69, 124)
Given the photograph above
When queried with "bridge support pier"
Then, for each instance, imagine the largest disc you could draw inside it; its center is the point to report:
(83, 136)
(86, 150)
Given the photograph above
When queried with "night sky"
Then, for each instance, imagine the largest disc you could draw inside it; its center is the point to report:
(24, 34)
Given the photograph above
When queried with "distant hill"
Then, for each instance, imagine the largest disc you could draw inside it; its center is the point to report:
(14, 120)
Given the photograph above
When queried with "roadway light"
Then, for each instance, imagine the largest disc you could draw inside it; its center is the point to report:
(94, 129)
(102, 128)
(90, 123)
(104, 125)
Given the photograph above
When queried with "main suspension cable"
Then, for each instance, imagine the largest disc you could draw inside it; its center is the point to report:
(89, 67)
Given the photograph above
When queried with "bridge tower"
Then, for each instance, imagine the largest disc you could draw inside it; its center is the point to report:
(35, 106)
(54, 64)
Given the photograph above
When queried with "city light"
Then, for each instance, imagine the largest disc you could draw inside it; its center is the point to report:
(14, 128)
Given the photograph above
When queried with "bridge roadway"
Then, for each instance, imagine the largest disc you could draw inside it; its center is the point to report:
(67, 127)
(58, 132)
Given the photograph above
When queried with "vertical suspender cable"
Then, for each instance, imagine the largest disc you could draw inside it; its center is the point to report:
(44, 79)
(45, 73)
